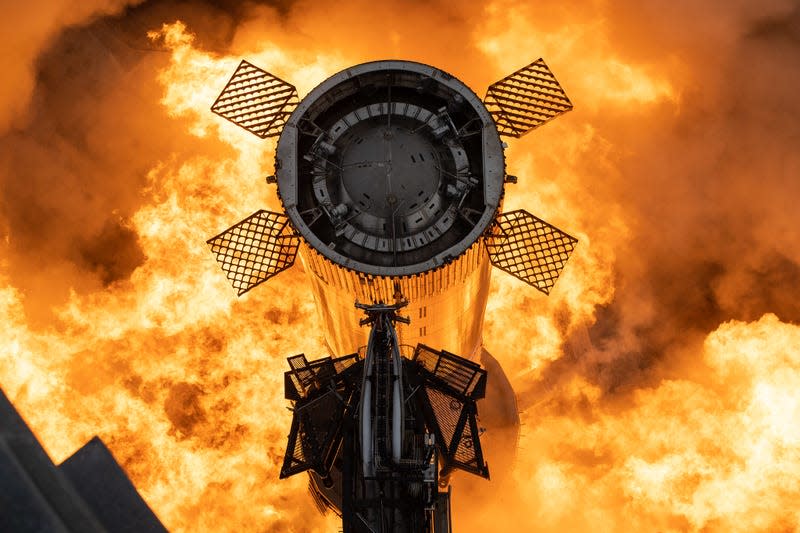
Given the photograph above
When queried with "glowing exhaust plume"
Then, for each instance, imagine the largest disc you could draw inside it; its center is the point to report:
(658, 381)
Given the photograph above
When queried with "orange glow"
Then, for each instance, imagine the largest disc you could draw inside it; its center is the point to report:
(639, 413)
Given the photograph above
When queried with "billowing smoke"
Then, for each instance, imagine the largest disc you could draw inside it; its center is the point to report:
(657, 382)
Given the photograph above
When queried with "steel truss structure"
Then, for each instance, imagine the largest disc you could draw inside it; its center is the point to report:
(441, 430)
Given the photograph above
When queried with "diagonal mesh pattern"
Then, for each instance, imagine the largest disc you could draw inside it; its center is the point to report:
(255, 249)
(306, 377)
(451, 386)
(529, 248)
(458, 431)
(343, 363)
(466, 453)
(526, 99)
(256, 100)
(461, 374)
(322, 392)
(447, 410)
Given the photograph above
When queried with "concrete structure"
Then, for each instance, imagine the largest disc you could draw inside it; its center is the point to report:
(87, 493)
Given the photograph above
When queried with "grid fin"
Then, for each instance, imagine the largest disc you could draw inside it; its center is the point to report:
(529, 248)
(255, 249)
(526, 99)
(256, 100)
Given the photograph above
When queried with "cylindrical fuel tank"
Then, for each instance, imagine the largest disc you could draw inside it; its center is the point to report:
(392, 172)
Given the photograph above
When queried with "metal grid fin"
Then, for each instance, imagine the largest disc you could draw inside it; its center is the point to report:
(255, 249)
(529, 248)
(526, 99)
(256, 100)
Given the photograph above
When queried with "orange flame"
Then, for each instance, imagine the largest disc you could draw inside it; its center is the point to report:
(184, 382)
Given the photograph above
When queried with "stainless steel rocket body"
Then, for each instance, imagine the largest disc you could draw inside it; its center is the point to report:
(392, 172)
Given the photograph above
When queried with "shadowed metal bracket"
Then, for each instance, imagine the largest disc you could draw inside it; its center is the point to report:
(256, 100)
(255, 249)
(323, 392)
(451, 386)
(529, 248)
(327, 391)
(315, 434)
(526, 99)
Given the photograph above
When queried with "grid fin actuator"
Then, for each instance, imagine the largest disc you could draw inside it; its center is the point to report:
(526, 99)
(255, 249)
(529, 248)
(256, 100)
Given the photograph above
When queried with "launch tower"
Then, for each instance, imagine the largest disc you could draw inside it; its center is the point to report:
(376, 434)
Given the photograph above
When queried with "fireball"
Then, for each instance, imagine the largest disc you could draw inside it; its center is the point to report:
(657, 384)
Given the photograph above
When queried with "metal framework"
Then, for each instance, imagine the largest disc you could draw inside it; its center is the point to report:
(307, 377)
(256, 100)
(462, 375)
(259, 247)
(529, 248)
(315, 426)
(526, 99)
(452, 385)
(323, 393)
(255, 249)
(373, 432)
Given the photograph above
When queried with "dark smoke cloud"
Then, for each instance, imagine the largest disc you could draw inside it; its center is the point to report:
(708, 190)
(74, 160)
(707, 186)
(83, 134)
(26, 30)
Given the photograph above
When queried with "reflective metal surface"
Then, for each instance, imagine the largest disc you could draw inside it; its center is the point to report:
(446, 305)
